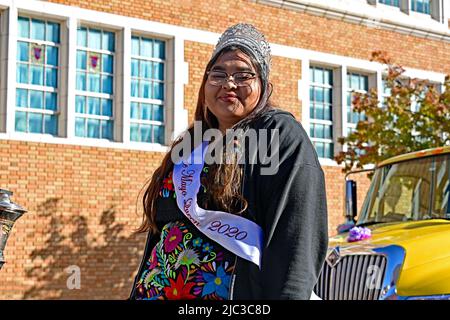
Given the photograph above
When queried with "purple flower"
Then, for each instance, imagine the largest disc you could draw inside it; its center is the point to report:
(358, 234)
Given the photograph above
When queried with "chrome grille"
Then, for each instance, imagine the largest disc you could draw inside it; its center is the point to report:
(354, 277)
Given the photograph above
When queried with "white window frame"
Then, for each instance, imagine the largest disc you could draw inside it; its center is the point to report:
(351, 125)
(42, 88)
(139, 100)
(313, 121)
(99, 95)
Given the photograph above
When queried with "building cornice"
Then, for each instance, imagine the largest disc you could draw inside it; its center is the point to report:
(363, 13)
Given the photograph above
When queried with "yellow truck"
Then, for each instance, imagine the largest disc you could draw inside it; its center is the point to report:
(399, 248)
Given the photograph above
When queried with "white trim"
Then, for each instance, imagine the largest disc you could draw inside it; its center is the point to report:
(303, 91)
(76, 141)
(71, 45)
(11, 69)
(362, 13)
(124, 80)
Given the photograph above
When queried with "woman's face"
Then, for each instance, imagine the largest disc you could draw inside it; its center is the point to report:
(228, 102)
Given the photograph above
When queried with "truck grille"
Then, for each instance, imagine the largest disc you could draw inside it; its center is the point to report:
(354, 277)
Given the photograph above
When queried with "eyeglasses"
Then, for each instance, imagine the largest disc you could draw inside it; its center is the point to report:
(240, 79)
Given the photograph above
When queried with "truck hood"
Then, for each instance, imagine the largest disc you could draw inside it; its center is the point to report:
(426, 269)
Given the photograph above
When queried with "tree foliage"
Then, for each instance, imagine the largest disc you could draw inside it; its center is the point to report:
(392, 127)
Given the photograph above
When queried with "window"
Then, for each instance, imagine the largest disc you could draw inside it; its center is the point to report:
(422, 6)
(147, 90)
(355, 83)
(394, 3)
(321, 125)
(37, 69)
(95, 84)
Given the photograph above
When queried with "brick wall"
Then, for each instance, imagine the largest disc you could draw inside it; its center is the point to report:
(82, 200)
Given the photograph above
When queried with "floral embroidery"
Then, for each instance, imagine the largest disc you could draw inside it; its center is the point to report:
(183, 266)
(179, 290)
(173, 239)
(218, 282)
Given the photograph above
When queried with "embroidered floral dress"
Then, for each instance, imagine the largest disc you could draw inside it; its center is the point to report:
(185, 264)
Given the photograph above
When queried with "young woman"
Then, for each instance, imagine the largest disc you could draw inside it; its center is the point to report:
(249, 233)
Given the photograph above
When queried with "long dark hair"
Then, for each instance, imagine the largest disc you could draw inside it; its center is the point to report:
(224, 179)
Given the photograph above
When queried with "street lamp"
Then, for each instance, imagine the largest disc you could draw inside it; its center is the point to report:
(9, 213)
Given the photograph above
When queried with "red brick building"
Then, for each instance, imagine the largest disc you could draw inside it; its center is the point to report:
(92, 92)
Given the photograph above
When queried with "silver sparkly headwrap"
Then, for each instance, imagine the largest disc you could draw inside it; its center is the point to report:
(247, 36)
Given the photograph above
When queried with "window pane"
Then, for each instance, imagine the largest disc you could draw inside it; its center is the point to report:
(158, 69)
(95, 39)
(328, 77)
(24, 27)
(37, 75)
(52, 32)
(134, 68)
(21, 121)
(50, 124)
(146, 111)
(82, 37)
(36, 99)
(328, 134)
(146, 89)
(108, 41)
(107, 107)
(80, 104)
(134, 132)
(158, 113)
(22, 51)
(107, 63)
(107, 130)
(146, 69)
(158, 133)
(93, 128)
(93, 106)
(81, 81)
(365, 83)
(327, 112)
(319, 131)
(318, 75)
(107, 84)
(146, 48)
(319, 111)
(135, 46)
(134, 110)
(37, 29)
(355, 82)
(327, 95)
(22, 73)
(52, 55)
(146, 133)
(22, 98)
(80, 127)
(158, 92)
(35, 122)
(94, 82)
(319, 94)
(51, 77)
(81, 59)
(159, 50)
(50, 101)
(134, 88)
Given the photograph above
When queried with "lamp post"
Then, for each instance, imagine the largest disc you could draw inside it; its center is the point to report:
(9, 213)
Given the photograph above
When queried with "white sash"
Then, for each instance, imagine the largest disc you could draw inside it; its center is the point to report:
(237, 234)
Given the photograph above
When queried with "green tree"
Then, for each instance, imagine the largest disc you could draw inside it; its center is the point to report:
(391, 127)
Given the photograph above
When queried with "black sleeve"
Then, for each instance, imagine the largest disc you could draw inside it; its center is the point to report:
(294, 209)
